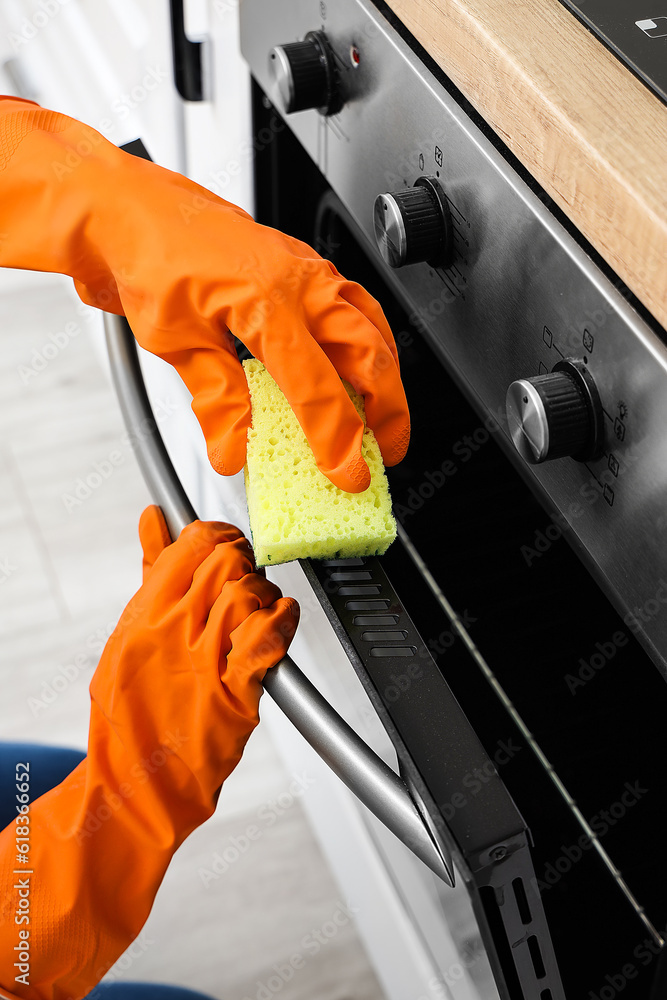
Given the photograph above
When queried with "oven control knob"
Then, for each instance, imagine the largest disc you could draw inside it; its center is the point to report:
(304, 75)
(557, 414)
(414, 225)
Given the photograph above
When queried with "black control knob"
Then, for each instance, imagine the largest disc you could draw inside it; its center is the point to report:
(557, 414)
(414, 225)
(304, 75)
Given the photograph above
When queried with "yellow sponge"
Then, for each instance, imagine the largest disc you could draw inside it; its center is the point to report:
(295, 512)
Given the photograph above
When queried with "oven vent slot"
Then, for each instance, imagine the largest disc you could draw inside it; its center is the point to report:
(356, 561)
(385, 635)
(351, 576)
(361, 620)
(522, 901)
(393, 651)
(358, 591)
(536, 955)
(366, 605)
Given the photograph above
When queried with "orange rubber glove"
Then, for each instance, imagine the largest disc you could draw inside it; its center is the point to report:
(174, 699)
(186, 267)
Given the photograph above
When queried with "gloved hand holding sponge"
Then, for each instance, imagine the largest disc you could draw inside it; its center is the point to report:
(186, 268)
(179, 681)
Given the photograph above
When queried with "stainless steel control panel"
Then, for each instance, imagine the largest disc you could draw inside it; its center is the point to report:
(518, 297)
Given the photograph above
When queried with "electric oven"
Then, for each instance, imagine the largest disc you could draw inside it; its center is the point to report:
(506, 658)
(530, 573)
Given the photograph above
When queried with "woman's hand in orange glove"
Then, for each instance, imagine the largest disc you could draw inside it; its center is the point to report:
(174, 698)
(186, 268)
(210, 625)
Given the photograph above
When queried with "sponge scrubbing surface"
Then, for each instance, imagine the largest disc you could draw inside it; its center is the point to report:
(295, 512)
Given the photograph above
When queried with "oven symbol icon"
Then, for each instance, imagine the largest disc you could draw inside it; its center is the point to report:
(655, 27)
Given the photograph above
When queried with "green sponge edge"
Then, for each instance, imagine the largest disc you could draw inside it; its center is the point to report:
(294, 511)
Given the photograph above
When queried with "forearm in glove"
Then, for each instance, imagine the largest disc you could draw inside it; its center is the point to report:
(174, 698)
(186, 268)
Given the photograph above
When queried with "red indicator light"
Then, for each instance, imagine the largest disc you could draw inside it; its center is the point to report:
(355, 58)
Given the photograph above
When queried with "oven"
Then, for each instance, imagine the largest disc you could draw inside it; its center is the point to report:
(531, 554)
(507, 657)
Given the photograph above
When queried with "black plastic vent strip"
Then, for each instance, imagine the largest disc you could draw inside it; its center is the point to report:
(365, 774)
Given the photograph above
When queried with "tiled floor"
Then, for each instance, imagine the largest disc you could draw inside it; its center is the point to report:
(69, 561)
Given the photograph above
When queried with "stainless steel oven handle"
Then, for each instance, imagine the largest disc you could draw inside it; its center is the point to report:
(364, 773)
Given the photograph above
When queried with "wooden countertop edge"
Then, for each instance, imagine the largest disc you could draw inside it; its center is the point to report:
(546, 86)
